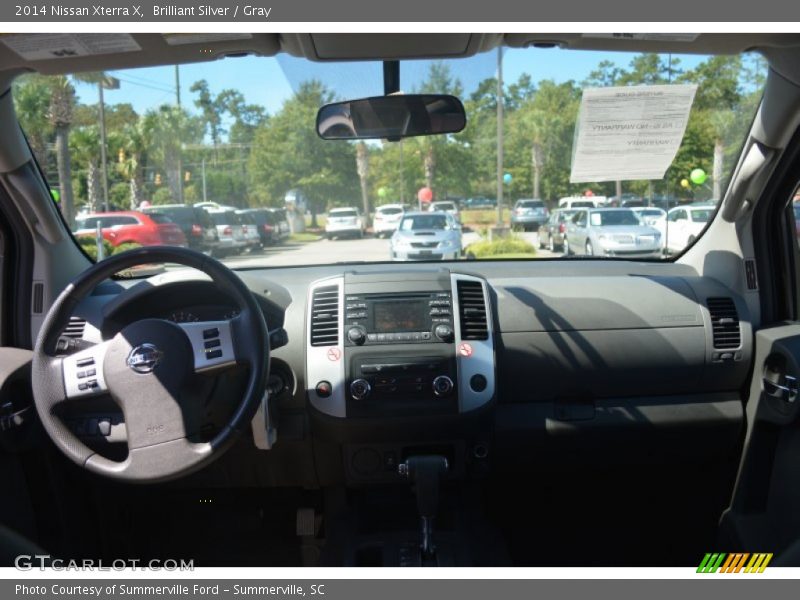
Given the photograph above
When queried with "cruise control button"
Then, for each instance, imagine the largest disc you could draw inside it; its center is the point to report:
(213, 354)
(210, 333)
(212, 344)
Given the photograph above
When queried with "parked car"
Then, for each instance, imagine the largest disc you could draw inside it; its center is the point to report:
(281, 222)
(684, 224)
(426, 236)
(529, 213)
(387, 218)
(265, 223)
(229, 229)
(343, 222)
(197, 226)
(132, 227)
(479, 202)
(448, 206)
(576, 202)
(611, 232)
(551, 233)
(250, 229)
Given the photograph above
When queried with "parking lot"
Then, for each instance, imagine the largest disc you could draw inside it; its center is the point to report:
(366, 249)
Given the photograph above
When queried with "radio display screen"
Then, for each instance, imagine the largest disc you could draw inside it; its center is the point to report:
(400, 316)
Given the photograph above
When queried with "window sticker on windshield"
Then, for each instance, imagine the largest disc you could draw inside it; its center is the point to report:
(180, 39)
(596, 219)
(629, 133)
(46, 46)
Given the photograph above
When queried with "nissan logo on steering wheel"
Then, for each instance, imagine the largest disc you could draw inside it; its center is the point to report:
(144, 358)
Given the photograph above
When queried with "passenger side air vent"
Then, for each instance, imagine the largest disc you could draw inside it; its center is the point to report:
(325, 316)
(472, 311)
(75, 328)
(724, 323)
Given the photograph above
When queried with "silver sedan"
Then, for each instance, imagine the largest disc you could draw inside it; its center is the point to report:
(611, 232)
(427, 236)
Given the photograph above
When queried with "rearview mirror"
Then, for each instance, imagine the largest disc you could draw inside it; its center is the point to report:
(391, 117)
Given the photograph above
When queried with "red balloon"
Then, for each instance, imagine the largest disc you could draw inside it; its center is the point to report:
(425, 194)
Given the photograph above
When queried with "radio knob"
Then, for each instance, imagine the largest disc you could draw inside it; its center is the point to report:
(357, 335)
(443, 332)
(442, 385)
(360, 389)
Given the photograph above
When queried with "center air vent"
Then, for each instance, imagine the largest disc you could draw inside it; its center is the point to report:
(325, 316)
(75, 328)
(724, 323)
(472, 311)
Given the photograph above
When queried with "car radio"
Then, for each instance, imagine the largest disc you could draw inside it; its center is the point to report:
(407, 318)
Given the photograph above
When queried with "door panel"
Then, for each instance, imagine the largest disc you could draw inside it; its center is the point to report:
(764, 514)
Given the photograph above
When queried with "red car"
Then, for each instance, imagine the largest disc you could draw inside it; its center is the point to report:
(132, 226)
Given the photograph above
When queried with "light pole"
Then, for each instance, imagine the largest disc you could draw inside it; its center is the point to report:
(499, 137)
(108, 83)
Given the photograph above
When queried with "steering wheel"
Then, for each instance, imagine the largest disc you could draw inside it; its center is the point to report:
(147, 369)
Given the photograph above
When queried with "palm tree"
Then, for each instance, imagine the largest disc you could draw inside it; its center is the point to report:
(62, 103)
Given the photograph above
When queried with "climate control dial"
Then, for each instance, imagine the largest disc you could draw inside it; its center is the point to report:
(442, 386)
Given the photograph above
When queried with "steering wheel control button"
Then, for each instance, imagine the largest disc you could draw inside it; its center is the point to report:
(84, 362)
(83, 386)
(210, 333)
(214, 354)
(442, 386)
(324, 389)
(212, 344)
(360, 389)
(477, 383)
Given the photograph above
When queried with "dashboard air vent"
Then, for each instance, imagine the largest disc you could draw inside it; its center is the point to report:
(325, 316)
(472, 310)
(724, 323)
(75, 328)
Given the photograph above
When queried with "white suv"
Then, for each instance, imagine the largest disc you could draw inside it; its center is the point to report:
(344, 222)
(387, 218)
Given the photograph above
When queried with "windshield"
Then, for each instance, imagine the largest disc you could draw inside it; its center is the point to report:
(415, 222)
(613, 217)
(701, 216)
(390, 211)
(239, 133)
(343, 213)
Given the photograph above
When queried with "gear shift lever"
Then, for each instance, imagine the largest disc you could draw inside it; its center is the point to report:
(425, 473)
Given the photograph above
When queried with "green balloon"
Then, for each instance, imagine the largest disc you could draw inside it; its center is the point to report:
(698, 176)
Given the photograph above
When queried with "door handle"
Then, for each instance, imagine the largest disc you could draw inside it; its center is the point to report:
(786, 392)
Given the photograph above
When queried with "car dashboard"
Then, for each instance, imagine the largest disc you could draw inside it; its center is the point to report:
(491, 364)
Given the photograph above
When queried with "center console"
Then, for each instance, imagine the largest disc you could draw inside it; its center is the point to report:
(398, 369)
(389, 345)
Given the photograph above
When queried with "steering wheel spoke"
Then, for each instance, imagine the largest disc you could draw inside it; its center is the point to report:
(148, 370)
(212, 343)
(83, 372)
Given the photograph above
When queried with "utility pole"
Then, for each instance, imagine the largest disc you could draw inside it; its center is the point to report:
(205, 199)
(402, 175)
(103, 144)
(180, 152)
(177, 85)
(499, 137)
(111, 83)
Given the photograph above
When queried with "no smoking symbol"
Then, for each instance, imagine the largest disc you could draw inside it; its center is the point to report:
(334, 354)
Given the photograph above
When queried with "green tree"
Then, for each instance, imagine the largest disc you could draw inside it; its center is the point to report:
(288, 154)
(62, 103)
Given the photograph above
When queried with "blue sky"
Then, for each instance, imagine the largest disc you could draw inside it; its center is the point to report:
(269, 81)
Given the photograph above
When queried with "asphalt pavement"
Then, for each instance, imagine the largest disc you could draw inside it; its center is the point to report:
(323, 251)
